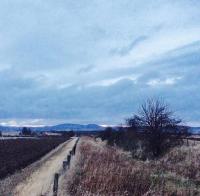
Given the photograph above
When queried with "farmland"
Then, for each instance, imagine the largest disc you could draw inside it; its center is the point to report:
(18, 153)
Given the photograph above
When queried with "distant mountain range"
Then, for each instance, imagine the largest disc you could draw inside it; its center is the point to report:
(195, 130)
(74, 127)
(60, 127)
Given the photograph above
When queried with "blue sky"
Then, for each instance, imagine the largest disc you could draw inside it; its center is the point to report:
(96, 61)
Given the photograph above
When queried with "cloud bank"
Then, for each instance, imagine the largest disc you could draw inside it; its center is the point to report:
(96, 61)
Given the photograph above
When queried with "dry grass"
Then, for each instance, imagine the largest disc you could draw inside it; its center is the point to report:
(103, 170)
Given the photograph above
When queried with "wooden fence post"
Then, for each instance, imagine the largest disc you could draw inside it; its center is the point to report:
(74, 149)
(55, 184)
(68, 160)
(65, 163)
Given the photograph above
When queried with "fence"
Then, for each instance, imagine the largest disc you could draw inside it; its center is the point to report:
(66, 165)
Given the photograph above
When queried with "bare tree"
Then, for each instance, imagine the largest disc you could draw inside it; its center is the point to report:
(159, 128)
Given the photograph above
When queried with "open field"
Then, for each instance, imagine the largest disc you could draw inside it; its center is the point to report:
(103, 170)
(37, 178)
(16, 154)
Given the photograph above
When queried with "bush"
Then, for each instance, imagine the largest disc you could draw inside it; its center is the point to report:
(26, 131)
(124, 138)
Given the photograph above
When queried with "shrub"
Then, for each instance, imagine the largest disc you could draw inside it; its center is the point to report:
(26, 131)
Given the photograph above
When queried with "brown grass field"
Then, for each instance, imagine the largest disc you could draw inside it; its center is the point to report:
(103, 170)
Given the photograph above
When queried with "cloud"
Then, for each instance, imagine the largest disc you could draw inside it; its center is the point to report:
(112, 81)
(126, 50)
(86, 69)
(96, 61)
(167, 81)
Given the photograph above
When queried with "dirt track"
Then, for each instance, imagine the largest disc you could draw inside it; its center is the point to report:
(40, 181)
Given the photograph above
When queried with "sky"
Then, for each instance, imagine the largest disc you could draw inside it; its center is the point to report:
(96, 61)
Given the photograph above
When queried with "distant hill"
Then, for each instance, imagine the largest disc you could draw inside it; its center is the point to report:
(60, 127)
(74, 127)
(195, 130)
(9, 128)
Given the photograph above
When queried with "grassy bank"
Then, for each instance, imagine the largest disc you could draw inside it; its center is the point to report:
(104, 170)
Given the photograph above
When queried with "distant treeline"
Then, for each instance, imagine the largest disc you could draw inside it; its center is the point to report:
(28, 132)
